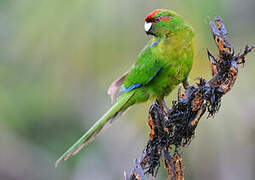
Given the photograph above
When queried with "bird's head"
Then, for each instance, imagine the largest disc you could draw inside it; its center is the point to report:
(162, 23)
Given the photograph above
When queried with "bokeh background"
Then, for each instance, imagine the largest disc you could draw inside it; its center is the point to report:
(57, 59)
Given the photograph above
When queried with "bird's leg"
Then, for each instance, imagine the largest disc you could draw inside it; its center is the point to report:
(165, 105)
(185, 83)
(179, 93)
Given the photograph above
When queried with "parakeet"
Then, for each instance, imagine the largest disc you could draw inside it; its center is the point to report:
(164, 62)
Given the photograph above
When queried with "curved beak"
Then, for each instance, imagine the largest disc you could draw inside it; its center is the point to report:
(148, 28)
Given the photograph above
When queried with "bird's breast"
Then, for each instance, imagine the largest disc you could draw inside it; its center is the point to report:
(177, 55)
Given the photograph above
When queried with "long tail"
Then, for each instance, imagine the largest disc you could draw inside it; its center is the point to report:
(117, 109)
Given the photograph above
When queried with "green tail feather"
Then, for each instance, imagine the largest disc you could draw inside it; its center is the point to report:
(119, 107)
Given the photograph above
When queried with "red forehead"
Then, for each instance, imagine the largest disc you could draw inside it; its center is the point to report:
(153, 13)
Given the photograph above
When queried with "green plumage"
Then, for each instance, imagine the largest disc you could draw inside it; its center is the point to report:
(164, 63)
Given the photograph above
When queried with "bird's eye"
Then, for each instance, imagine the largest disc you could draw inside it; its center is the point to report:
(157, 19)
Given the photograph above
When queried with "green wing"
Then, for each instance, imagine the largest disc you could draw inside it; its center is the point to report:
(145, 69)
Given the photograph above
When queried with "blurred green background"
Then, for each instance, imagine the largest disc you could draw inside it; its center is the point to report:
(57, 59)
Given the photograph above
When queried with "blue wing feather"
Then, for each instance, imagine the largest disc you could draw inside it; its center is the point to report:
(133, 86)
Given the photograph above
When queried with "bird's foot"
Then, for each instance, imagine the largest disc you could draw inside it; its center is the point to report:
(165, 106)
(185, 83)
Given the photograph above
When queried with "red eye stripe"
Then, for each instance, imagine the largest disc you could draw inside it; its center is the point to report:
(157, 19)
(165, 18)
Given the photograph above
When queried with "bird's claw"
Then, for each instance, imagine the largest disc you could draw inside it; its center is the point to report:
(185, 83)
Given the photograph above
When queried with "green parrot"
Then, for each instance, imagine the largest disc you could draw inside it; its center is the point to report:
(165, 62)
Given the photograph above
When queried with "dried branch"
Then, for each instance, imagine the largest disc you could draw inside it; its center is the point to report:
(172, 130)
